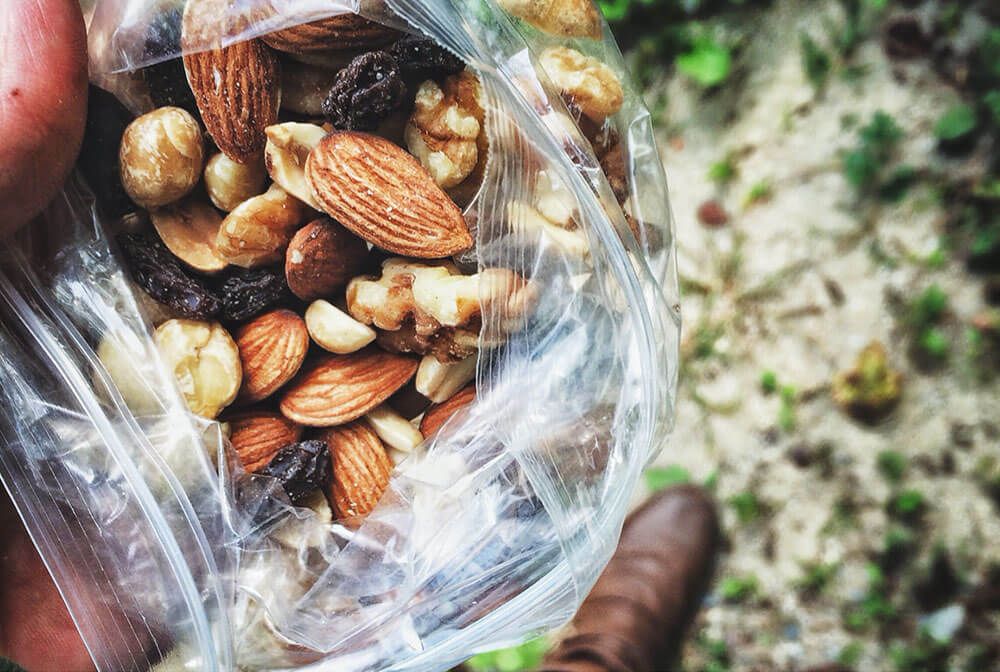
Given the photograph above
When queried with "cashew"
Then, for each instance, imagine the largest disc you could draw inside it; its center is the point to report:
(288, 146)
(334, 330)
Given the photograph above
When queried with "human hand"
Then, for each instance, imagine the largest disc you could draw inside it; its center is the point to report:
(43, 102)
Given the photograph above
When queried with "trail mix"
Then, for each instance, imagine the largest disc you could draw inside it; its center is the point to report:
(300, 200)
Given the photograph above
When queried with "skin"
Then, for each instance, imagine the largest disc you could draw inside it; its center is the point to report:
(43, 102)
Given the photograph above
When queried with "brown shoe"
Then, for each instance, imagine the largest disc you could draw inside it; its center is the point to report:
(635, 617)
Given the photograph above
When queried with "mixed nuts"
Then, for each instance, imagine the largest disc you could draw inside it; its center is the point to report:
(303, 192)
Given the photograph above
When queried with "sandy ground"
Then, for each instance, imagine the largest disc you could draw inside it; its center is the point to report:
(791, 285)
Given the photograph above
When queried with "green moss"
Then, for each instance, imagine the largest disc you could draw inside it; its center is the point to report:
(738, 589)
(816, 576)
(892, 465)
(658, 478)
(746, 506)
(769, 382)
(956, 123)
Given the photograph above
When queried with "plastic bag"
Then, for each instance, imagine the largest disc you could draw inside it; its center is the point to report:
(171, 557)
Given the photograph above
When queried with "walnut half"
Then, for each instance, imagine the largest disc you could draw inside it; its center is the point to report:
(444, 130)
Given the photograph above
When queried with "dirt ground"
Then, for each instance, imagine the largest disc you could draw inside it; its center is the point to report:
(797, 281)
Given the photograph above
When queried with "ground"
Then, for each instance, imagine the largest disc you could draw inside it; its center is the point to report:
(785, 294)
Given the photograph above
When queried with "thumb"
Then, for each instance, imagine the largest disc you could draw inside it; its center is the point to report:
(43, 98)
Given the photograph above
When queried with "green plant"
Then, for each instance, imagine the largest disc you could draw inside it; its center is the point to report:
(759, 192)
(658, 478)
(907, 505)
(769, 382)
(957, 122)
(746, 506)
(892, 465)
(526, 656)
(786, 412)
(929, 307)
(816, 576)
(816, 63)
(738, 588)
(722, 171)
(877, 143)
(874, 607)
(934, 343)
(850, 654)
(707, 62)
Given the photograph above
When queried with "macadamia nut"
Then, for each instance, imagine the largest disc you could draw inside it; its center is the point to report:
(161, 157)
(229, 183)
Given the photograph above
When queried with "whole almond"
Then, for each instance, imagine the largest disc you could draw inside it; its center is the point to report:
(343, 31)
(380, 192)
(257, 435)
(237, 88)
(272, 349)
(337, 389)
(322, 257)
(437, 415)
(361, 468)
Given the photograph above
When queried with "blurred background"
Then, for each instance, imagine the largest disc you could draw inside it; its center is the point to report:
(835, 179)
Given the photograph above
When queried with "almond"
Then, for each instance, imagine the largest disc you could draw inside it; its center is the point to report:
(380, 192)
(340, 388)
(237, 88)
(437, 415)
(322, 257)
(272, 349)
(361, 469)
(257, 435)
(343, 31)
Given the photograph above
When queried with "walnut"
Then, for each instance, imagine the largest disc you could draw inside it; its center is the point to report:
(566, 18)
(444, 130)
(584, 82)
(432, 308)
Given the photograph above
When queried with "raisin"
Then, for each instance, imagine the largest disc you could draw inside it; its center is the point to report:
(166, 78)
(364, 93)
(106, 122)
(160, 275)
(246, 294)
(420, 58)
(301, 468)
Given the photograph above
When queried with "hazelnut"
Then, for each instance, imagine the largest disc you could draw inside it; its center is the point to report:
(189, 229)
(229, 183)
(395, 431)
(444, 130)
(161, 157)
(288, 146)
(334, 330)
(205, 362)
(321, 258)
(257, 231)
(584, 82)
(122, 352)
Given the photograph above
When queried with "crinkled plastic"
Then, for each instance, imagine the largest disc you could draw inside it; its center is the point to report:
(170, 557)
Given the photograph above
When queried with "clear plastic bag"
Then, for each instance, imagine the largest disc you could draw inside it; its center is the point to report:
(494, 530)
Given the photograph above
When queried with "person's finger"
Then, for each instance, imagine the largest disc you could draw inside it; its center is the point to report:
(36, 630)
(43, 99)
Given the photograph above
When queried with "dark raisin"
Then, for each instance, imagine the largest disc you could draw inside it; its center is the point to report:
(420, 58)
(367, 91)
(165, 78)
(160, 275)
(246, 294)
(301, 468)
(106, 122)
